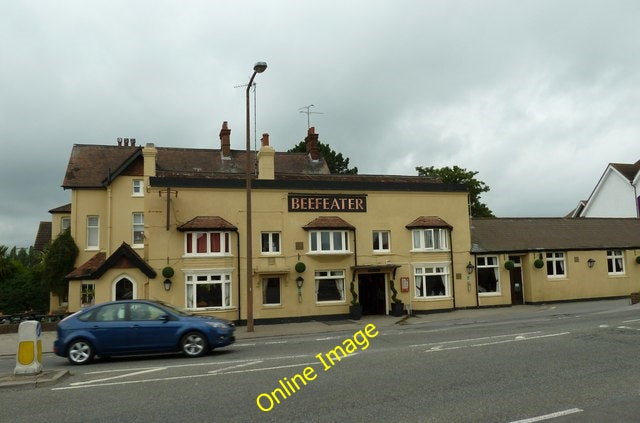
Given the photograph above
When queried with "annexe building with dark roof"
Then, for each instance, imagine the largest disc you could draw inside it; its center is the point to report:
(555, 259)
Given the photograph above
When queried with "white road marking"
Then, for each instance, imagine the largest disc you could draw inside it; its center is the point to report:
(208, 363)
(119, 376)
(235, 367)
(627, 327)
(474, 339)
(129, 382)
(327, 338)
(603, 326)
(275, 342)
(550, 416)
(523, 339)
(244, 345)
(629, 321)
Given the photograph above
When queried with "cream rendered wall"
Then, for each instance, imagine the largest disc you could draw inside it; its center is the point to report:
(87, 202)
(581, 282)
(385, 211)
(105, 285)
(123, 204)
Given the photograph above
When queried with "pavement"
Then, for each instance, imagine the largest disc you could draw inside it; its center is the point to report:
(9, 341)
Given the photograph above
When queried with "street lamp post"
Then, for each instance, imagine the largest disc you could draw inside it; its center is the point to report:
(257, 68)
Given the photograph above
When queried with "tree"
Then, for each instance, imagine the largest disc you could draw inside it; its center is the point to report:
(59, 261)
(466, 177)
(21, 287)
(335, 161)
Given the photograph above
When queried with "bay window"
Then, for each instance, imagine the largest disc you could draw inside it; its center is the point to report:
(328, 241)
(429, 239)
(207, 243)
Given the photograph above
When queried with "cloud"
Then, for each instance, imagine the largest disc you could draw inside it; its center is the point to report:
(537, 96)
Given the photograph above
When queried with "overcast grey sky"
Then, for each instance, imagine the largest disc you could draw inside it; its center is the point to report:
(537, 96)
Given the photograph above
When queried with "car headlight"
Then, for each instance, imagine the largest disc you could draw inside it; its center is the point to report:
(218, 325)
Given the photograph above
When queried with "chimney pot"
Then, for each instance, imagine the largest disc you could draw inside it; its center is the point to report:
(133, 142)
(126, 142)
(225, 140)
(119, 141)
(311, 142)
(265, 140)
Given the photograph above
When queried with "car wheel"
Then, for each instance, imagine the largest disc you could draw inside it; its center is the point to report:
(80, 352)
(194, 344)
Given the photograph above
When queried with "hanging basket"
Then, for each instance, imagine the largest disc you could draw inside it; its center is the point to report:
(509, 265)
(638, 259)
(539, 263)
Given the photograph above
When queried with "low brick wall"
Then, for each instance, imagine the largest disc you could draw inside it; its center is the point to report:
(13, 327)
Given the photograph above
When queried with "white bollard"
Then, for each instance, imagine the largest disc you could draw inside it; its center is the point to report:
(29, 356)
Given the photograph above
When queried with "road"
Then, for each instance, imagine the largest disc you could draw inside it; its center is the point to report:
(577, 364)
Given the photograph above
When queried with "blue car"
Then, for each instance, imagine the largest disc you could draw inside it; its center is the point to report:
(138, 327)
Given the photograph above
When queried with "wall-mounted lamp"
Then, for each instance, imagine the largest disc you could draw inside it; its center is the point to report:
(167, 284)
(590, 263)
(470, 268)
(299, 282)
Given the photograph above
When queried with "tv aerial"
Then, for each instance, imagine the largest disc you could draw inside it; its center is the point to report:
(307, 111)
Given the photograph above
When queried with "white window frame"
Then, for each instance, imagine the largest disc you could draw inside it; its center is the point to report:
(273, 248)
(225, 244)
(137, 226)
(430, 239)
(222, 277)
(93, 228)
(420, 273)
(615, 260)
(265, 282)
(316, 241)
(379, 238)
(62, 223)
(552, 258)
(87, 290)
(137, 188)
(489, 262)
(336, 275)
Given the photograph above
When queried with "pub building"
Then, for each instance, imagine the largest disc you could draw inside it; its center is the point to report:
(169, 224)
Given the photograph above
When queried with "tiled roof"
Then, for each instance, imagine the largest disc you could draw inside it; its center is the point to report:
(328, 222)
(538, 234)
(428, 222)
(43, 237)
(62, 209)
(207, 223)
(124, 257)
(91, 166)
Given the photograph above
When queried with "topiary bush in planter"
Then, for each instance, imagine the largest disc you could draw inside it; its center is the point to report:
(168, 272)
(538, 263)
(509, 265)
(300, 267)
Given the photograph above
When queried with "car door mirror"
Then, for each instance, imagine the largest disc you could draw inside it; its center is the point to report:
(164, 317)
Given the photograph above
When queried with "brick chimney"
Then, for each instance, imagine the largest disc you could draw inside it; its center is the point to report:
(225, 141)
(312, 144)
(266, 159)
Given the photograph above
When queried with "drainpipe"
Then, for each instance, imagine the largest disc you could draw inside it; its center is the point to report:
(453, 288)
(475, 277)
(239, 277)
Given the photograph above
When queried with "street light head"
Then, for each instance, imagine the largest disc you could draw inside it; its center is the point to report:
(260, 67)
